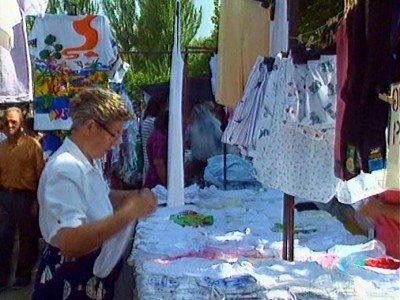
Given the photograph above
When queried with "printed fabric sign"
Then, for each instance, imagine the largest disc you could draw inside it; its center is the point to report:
(76, 41)
(69, 53)
(393, 149)
(52, 110)
(54, 88)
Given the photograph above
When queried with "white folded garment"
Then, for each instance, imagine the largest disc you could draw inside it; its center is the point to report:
(112, 251)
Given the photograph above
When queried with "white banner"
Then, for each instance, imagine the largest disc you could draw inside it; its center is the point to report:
(393, 142)
(175, 134)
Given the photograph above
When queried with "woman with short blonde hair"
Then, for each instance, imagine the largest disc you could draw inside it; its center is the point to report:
(85, 224)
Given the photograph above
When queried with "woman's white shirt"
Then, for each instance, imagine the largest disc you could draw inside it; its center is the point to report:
(71, 192)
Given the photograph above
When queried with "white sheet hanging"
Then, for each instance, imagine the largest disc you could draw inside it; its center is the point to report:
(175, 135)
(10, 16)
(15, 69)
(279, 36)
(15, 65)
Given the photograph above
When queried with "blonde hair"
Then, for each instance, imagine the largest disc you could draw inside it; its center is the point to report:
(101, 105)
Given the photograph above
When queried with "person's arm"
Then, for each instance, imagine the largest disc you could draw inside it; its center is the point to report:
(375, 208)
(75, 242)
(161, 170)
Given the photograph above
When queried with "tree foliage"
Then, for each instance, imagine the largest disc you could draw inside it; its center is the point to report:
(199, 56)
(123, 16)
(198, 62)
(155, 32)
(73, 7)
(316, 13)
(215, 21)
(152, 38)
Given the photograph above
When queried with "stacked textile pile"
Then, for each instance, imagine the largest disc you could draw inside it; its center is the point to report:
(238, 256)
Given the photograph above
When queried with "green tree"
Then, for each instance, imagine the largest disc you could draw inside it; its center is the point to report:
(199, 55)
(198, 63)
(215, 21)
(155, 32)
(314, 14)
(123, 16)
(152, 39)
(73, 7)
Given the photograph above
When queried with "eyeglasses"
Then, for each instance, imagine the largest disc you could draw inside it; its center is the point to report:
(104, 127)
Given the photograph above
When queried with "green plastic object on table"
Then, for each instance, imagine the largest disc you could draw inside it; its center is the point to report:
(192, 218)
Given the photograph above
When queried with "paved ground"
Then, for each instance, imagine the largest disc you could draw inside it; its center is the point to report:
(124, 286)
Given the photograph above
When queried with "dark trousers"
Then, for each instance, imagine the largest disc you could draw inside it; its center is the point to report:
(59, 277)
(16, 212)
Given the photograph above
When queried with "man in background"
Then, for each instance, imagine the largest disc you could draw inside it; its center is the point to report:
(21, 163)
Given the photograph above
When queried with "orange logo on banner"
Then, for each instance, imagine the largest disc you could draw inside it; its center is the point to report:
(84, 28)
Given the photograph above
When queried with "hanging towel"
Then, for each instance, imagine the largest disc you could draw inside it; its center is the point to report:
(243, 35)
(175, 135)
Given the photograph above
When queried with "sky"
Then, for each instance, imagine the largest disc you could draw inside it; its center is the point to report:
(208, 10)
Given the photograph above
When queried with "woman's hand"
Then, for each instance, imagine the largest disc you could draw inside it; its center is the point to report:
(143, 202)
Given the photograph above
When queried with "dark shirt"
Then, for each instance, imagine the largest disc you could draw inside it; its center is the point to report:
(157, 145)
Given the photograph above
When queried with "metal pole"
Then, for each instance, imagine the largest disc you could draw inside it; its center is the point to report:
(225, 166)
(285, 226)
(288, 200)
(290, 204)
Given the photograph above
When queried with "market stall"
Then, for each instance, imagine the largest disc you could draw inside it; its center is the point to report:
(228, 244)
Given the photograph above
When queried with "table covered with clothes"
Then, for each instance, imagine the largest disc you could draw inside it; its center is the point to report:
(227, 245)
